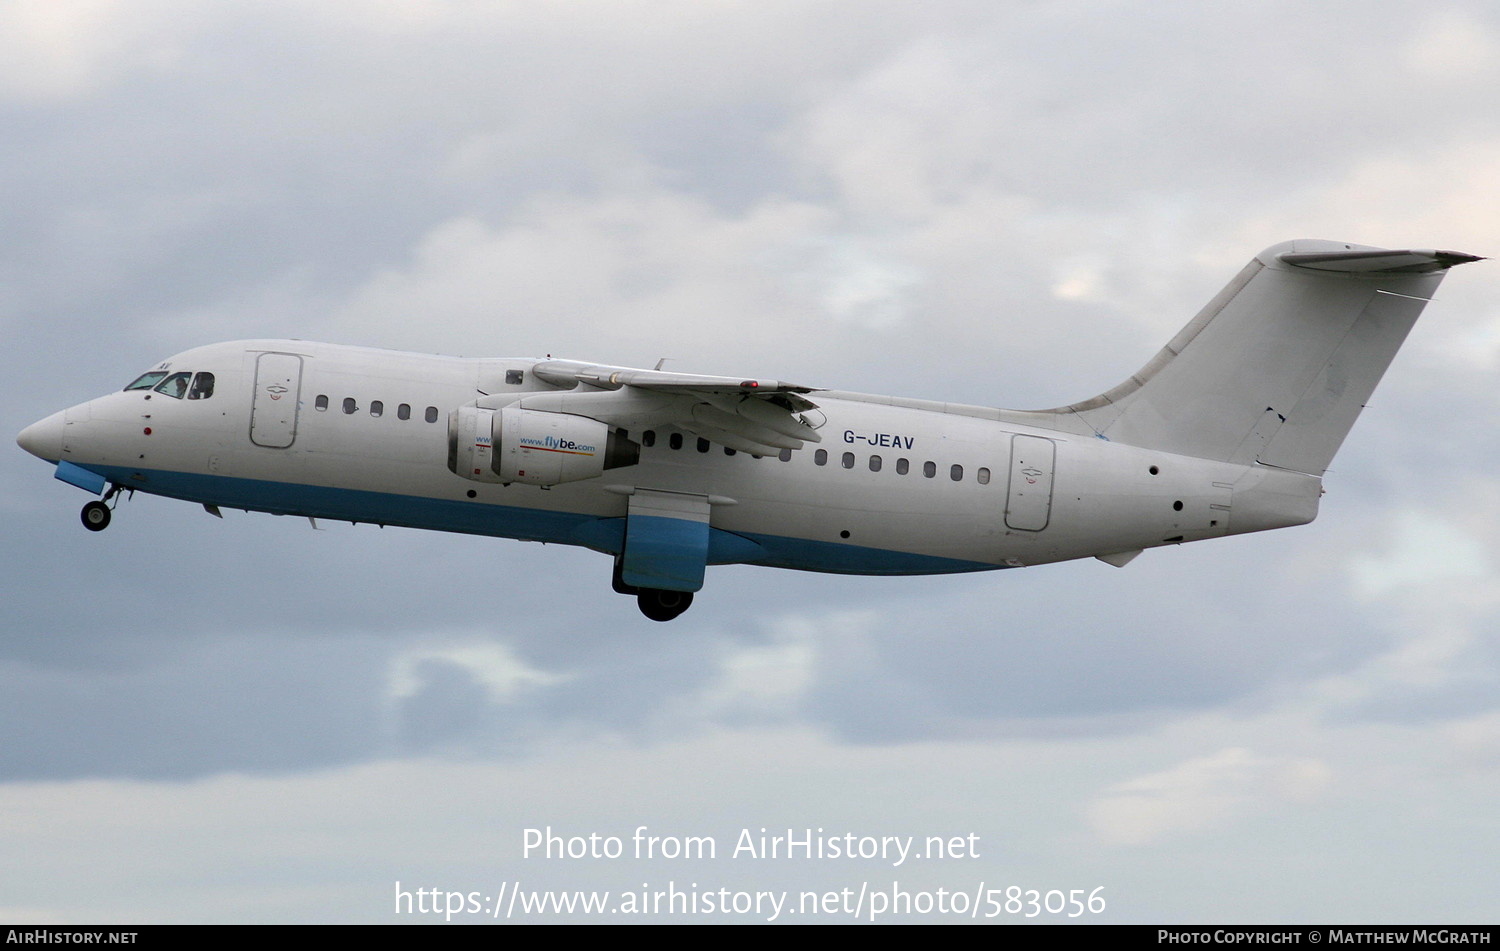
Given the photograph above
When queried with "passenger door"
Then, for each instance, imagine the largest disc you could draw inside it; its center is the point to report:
(273, 412)
(1028, 502)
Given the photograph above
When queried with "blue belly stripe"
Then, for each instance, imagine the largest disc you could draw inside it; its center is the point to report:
(604, 534)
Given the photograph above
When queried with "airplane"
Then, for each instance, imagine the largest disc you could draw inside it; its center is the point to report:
(1228, 429)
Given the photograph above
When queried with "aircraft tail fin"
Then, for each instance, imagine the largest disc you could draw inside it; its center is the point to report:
(1276, 368)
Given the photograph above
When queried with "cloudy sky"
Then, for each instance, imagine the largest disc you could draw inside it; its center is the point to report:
(1010, 204)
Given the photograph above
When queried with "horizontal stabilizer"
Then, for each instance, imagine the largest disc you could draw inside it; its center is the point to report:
(1378, 261)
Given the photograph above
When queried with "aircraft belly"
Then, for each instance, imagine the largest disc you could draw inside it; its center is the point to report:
(600, 532)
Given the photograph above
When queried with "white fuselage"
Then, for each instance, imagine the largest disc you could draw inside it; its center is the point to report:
(895, 487)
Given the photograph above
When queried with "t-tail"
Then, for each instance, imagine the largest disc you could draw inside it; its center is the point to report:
(1277, 367)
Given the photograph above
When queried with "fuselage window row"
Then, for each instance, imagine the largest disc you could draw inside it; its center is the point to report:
(820, 457)
(351, 406)
(903, 466)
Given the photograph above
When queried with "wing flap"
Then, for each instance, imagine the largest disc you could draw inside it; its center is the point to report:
(756, 416)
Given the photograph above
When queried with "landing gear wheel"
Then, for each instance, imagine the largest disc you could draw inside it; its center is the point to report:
(95, 516)
(659, 605)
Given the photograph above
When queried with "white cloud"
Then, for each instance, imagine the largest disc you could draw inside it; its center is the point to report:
(1424, 549)
(1438, 591)
(1442, 193)
(54, 50)
(911, 135)
(631, 273)
(853, 284)
(504, 675)
(1203, 794)
(1476, 739)
(765, 681)
(1454, 49)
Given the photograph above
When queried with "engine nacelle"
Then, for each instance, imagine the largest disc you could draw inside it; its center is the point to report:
(532, 446)
(471, 451)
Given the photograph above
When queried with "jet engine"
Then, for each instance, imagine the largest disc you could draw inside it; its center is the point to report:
(533, 446)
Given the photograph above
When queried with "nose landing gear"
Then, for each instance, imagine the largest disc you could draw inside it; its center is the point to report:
(95, 516)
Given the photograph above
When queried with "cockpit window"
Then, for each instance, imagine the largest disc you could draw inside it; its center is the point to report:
(175, 386)
(203, 386)
(147, 380)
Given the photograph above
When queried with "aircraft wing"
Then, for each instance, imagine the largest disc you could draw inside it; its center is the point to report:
(757, 416)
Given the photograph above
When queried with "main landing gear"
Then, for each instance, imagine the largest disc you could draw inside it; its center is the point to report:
(96, 514)
(656, 603)
(659, 605)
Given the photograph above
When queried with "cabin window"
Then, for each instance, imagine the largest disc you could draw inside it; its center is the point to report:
(702, 444)
(874, 463)
(675, 440)
(728, 451)
(349, 405)
(147, 380)
(321, 404)
(929, 469)
(203, 387)
(902, 467)
(648, 438)
(403, 411)
(431, 414)
(956, 473)
(175, 386)
(784, 455)
(514, 377)
(848, 460)
(984, 476)
(821, 457)
(377, 408)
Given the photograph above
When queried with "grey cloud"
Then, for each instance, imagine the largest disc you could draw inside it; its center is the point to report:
(248, 704)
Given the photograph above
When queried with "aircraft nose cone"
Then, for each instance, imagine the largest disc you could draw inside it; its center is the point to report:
(43, 439)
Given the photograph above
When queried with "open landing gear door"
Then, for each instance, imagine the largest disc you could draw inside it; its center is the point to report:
(666, 541)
